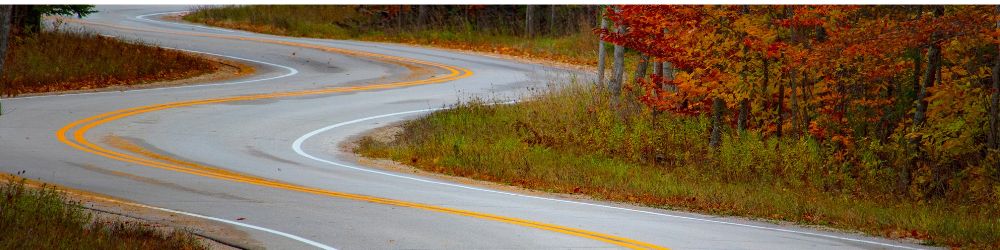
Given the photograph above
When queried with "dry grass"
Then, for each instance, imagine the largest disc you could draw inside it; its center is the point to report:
(322, 22)
(74, 60)
(567, 140)
(44, 219)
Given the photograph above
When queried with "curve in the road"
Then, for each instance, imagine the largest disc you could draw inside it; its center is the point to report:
(145, 19)
(297, 147)
(79, 129)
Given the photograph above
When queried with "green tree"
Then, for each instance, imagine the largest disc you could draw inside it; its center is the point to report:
(28, 18)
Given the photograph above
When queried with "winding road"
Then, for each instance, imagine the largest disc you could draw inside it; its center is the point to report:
(261, 152)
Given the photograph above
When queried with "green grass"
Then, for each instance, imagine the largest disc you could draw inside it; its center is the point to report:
(43, 218)
(567, 140)
(334, 21)
(76, 59)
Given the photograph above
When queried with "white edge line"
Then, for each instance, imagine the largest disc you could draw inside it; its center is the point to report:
(143, 18)
(291, 71)
(297, 147)
(280, 233)
(286, 235)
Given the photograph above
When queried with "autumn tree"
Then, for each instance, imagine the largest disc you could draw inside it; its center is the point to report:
(838, 74)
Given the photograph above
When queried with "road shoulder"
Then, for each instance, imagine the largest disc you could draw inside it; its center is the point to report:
(389, 133)
(215, 235)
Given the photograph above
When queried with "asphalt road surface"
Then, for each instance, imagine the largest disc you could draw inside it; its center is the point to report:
(261, 152)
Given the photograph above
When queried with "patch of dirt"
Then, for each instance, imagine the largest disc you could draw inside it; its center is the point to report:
(386, 134)
(213, 234)
(225, 70)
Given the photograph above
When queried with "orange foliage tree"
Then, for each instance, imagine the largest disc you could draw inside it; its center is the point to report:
(921, 76)
(837, 61)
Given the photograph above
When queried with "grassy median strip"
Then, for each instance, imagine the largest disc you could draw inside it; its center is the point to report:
(60, 60)
(43, 218)
(566, 140)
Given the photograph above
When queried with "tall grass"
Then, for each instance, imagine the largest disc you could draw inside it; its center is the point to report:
(44, 219)
(340, 22)
(568, 140)
(71, 60)
(290, 20)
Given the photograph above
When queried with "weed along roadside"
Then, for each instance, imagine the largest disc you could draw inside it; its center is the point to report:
(561, 34)
(62, 61)
(564, 141)
(45, 218)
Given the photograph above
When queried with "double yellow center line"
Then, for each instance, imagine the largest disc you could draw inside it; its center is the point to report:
(74, 135)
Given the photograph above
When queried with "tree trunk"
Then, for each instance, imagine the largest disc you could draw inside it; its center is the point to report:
(805, 95)
(995, 103)
(25, 19)
(615, 85)
(794, 109)
(995, 107)
(933, 63)
(741, 120)
(937, 79)
(658, 68)
(601, 53)
(6, 11)
(668, 75)
(781, 104)
(718, 106)
(933, 52)
(640, 69)
(5, 14)
(917, 60)
(421, 16)
(529, 20)
(399, 20)
(764, 85)
(920, 115)
(552, 19)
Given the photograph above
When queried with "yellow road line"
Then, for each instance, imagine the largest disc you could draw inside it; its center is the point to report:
(82, 126)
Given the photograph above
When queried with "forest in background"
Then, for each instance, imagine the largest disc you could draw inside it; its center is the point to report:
(914, 85)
